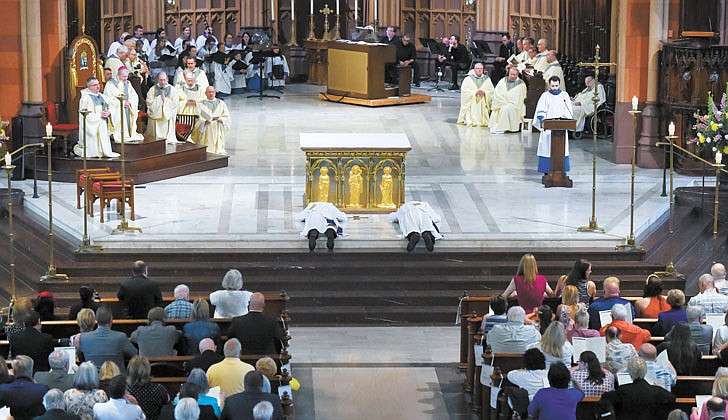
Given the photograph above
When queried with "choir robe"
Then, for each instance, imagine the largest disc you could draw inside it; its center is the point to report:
(554, 69)
(96, 128)
(276, 61)
(321, 216)
(551, 106)
(416, 216)
(162, 113)
(213, 135)
(237, 67)
(200, 77)
(508, 106)
(252, 77)
(113, 89)
(586, 98)
(474, 109)
(186, 93)
(223, 73)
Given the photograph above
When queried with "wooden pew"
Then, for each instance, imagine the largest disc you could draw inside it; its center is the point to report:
(65, 329)
(586, 409)
(470, 306)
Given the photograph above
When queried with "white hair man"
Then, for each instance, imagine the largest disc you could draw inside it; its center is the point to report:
(709, 299)
(187, 409)
(476, 94)
(118, 60)
(263, 411)
(701, 333)
(617, 352)
(631, 333)
(54, 404)
(126, 110)
(229, 373)
(162, 105)
(508, 107)
(513, 336)
(58, 376)
(181, 308)
(214, 123)
(640, 400)
(584, 101)
(718, 273)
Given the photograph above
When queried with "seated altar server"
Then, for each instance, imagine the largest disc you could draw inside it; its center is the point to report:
(214, 123)
(417, 220)
(277, 68)
(191, 67)
(508, 106)
(476, 93)
(115, 87)
(321, 218)
(584, 101)
(162, 104)
(554, 103)
(96, 129)
(553, 68)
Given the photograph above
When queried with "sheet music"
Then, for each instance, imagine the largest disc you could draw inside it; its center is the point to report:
(285, 388)
(598, 345)
(663, 360)
(623, 378)
(605, 317)
(715, 320)
(700, 400)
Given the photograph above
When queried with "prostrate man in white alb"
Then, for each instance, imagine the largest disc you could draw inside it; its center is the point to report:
(321, 218)
(584, 101)
(508, 107)
(214, 122)
(476, 93)
(97, 123)
(115, 87)
(554, 103)
(162, 104)
(417, 219)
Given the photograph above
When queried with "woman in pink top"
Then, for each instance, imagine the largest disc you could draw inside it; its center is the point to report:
(530, 287)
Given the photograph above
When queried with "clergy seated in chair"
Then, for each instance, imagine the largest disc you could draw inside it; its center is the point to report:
(118, 86)
(554, 103)
(162, 104)
(214, 123)
(457, 58)
(96, 123)
(508, 106)
(584, 101)
(476, 95)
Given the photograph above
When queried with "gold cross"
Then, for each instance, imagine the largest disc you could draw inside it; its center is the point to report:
(596, 65)
(326, 10)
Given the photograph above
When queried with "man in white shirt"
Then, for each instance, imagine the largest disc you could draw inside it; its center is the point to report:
(513, 336)
(718, 273)
(709, 299)
(534, 376)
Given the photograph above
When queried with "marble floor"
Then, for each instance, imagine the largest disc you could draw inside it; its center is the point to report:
(485, 186)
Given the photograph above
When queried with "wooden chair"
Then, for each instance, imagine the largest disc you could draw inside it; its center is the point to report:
(90, 178)
(82, 179)
(112, 189)
(184, 126)
(65, 132)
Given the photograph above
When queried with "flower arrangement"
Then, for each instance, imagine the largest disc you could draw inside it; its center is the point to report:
(711, 129)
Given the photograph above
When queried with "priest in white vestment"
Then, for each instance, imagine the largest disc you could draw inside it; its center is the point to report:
(129, 112)
(540, 62)
(97, 120)
(417, 219)
(214, 123)
(584, 101)
(508, 106)
(162, 105)
(553, 69)
(321, 218)
(191, 67)
(476, 94)
(118, 60)
(190, 95)
(554, 103)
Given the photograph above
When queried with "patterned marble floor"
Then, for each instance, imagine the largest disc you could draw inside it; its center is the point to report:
(485, 186)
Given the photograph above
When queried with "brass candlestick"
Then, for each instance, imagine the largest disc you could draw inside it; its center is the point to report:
(596, 65)
(670, 268)
(85, 245)
(311, 33)
(51, 274)
(337, 28)
(326, 11)
(292, 42)
(630, 244)
(9, 170)
(124, 225)
(718, 166)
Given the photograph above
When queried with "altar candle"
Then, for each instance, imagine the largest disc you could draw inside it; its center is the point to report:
(49, 130)
(718, 158)
(311, 6)
(635, 101)
(671, 128)
(272, 11)
(375, 9)
(293, 10)
(356, 12)
(337, 7)
(8, 159)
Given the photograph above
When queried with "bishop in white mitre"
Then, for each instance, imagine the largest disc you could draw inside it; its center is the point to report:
(554, 103)
(95, 131)
(508, 105)
(162, 105)
(214, 123)
(130, 110)
(584, 101)
(476, 93)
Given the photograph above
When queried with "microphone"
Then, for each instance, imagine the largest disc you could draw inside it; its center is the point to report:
(567, 108)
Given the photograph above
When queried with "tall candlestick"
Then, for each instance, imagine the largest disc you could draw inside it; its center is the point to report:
(375, 9)
(337, 7)
(9, 159)
(293, 9)
(718, 158)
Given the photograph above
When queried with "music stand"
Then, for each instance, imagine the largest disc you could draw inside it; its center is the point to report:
(435, 48)
(483, 47)
(259, 58)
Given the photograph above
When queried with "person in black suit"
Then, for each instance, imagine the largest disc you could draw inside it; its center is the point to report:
(457, 58)
(390, 38)
(208, 356)
(140, 293)
(639, 400)
(240, 406)
(87, 301)
(407, 55)
(23, 396)
(31, 342)
(258, 333)
(506, 50)
(55, 406)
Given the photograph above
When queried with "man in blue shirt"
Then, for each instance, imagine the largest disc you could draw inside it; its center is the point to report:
(611, 298)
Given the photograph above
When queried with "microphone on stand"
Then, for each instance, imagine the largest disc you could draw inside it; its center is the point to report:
(567, 108)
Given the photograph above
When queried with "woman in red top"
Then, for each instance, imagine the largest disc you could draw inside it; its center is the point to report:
(529, 286)
(652, 302)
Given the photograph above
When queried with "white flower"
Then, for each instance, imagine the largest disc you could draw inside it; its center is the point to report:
(715, 149)
(707, 139)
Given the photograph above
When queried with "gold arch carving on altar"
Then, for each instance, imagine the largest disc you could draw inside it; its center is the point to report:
(84, 62)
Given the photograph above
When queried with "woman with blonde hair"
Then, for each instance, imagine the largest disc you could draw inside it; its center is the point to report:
(20, 311)
(86, 320)
(720, 390)
(554, 345)
(570, 304)
(107, 372)
(151, 396)
(529, 286)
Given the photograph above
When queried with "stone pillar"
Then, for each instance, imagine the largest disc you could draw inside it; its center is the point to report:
(31, 108)
(149, 14)
(492, 15)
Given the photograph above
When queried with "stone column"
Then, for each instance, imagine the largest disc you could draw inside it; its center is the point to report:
(31, 108)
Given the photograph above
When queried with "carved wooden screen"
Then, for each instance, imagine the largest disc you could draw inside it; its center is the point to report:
(222, 15)
(584, 24)
(437, 18)
(535, 18)
(116, 17)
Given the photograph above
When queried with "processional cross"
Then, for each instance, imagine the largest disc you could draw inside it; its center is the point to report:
(326, 11)
(596, 65)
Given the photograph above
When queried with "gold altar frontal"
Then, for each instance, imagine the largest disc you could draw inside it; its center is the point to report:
(358, 173)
